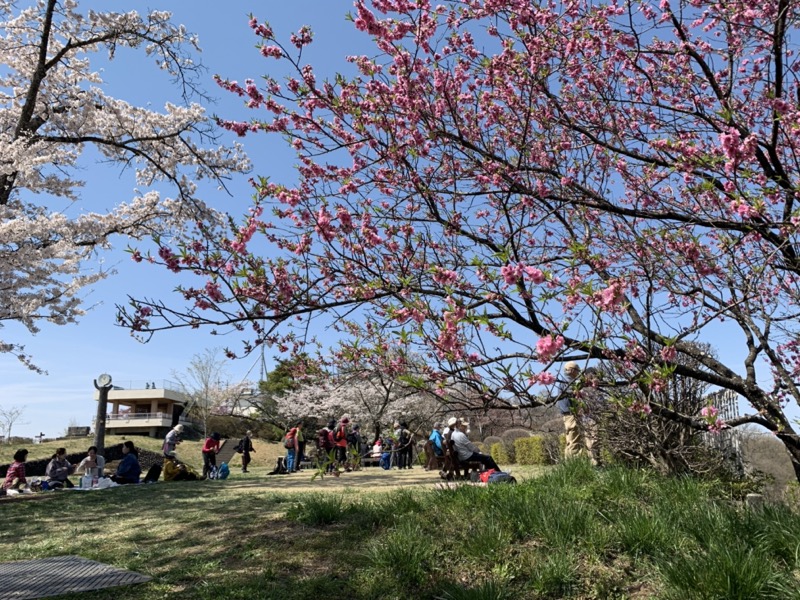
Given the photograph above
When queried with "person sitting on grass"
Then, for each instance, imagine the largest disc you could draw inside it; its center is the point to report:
(58, 470)
(128, 470)
(175, 470)
(93, 464)
(15, 476)
(172, 439)
(467, 451)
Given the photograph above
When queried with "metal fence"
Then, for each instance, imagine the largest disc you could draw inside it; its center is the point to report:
(727, 441)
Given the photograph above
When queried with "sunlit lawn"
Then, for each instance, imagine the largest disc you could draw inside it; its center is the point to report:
(573, 532)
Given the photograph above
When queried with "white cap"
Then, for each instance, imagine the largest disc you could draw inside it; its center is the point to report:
(451, 422)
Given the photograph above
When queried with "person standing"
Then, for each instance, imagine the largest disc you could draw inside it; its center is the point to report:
(405, 441)
(15, 476)
(172, 439)
(340, 441)
(301, 448)
(59, 469)
(210, 451)
(577, 442)
(325, 445)
(355, 441)
(246, 444)
(292, 447)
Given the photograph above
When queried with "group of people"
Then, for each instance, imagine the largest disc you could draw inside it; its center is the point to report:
(176, 470)
(457, 431)
(340, 445)
(59, 469)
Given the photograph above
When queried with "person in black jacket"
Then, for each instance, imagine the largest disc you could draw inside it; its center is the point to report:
(246, 445)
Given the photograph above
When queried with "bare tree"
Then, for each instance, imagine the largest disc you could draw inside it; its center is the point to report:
(668, 445)
(205, 382)
(9, 416)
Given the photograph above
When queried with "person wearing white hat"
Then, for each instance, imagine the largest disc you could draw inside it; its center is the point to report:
(451, 426)
(173, 439)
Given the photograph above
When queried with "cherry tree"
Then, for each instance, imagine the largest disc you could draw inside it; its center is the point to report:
(53, 107)
(374, 401)
(502, 186)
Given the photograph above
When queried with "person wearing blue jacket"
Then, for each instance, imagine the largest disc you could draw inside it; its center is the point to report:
(128, 470)
(437, 439)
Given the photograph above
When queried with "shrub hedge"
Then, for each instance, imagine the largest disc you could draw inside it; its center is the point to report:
(499, 454)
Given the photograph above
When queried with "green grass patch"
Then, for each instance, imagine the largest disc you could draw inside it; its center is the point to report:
(574, 532)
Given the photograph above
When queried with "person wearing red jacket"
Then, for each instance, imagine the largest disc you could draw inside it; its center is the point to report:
(340, 441)
(210, 451)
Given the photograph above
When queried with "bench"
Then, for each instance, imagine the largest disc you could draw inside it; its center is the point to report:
(453, 467)
(433, 461)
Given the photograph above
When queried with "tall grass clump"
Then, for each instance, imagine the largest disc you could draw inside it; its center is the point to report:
(486, 590)
(727, 569)
(555, 575)
(406, 555)
(318, 509)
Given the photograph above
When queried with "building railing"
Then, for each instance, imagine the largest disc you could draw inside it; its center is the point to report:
(143, 416)
(146, 384)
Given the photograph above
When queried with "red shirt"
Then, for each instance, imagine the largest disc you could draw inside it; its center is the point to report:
(292, 436)
(211, 445)
(342, 443)
(15, 471)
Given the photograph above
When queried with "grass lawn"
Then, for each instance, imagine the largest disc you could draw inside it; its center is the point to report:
(188, 451)
(572, 532)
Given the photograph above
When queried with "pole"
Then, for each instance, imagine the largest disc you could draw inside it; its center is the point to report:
(100, 419)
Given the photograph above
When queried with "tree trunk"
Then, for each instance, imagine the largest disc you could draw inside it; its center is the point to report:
(792, 444)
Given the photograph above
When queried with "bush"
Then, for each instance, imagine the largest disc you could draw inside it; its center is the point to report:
(491, 441)
(532, 451)
(510, 436)
(499, 454)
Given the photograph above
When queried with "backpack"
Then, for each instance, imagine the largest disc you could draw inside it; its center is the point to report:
(340, 433)
(493, 476)
(239, 447)
(223, 471)
(288, 441)
(153, 473)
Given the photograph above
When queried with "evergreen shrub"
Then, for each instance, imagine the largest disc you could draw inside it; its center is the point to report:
(499, 454)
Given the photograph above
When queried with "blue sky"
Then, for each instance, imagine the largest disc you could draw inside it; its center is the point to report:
(74, 355)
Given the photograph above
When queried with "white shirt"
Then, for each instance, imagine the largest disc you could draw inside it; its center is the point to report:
(101, 464)
(464, 448)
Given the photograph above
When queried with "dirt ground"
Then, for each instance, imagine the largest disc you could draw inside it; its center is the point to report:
(370, 479)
